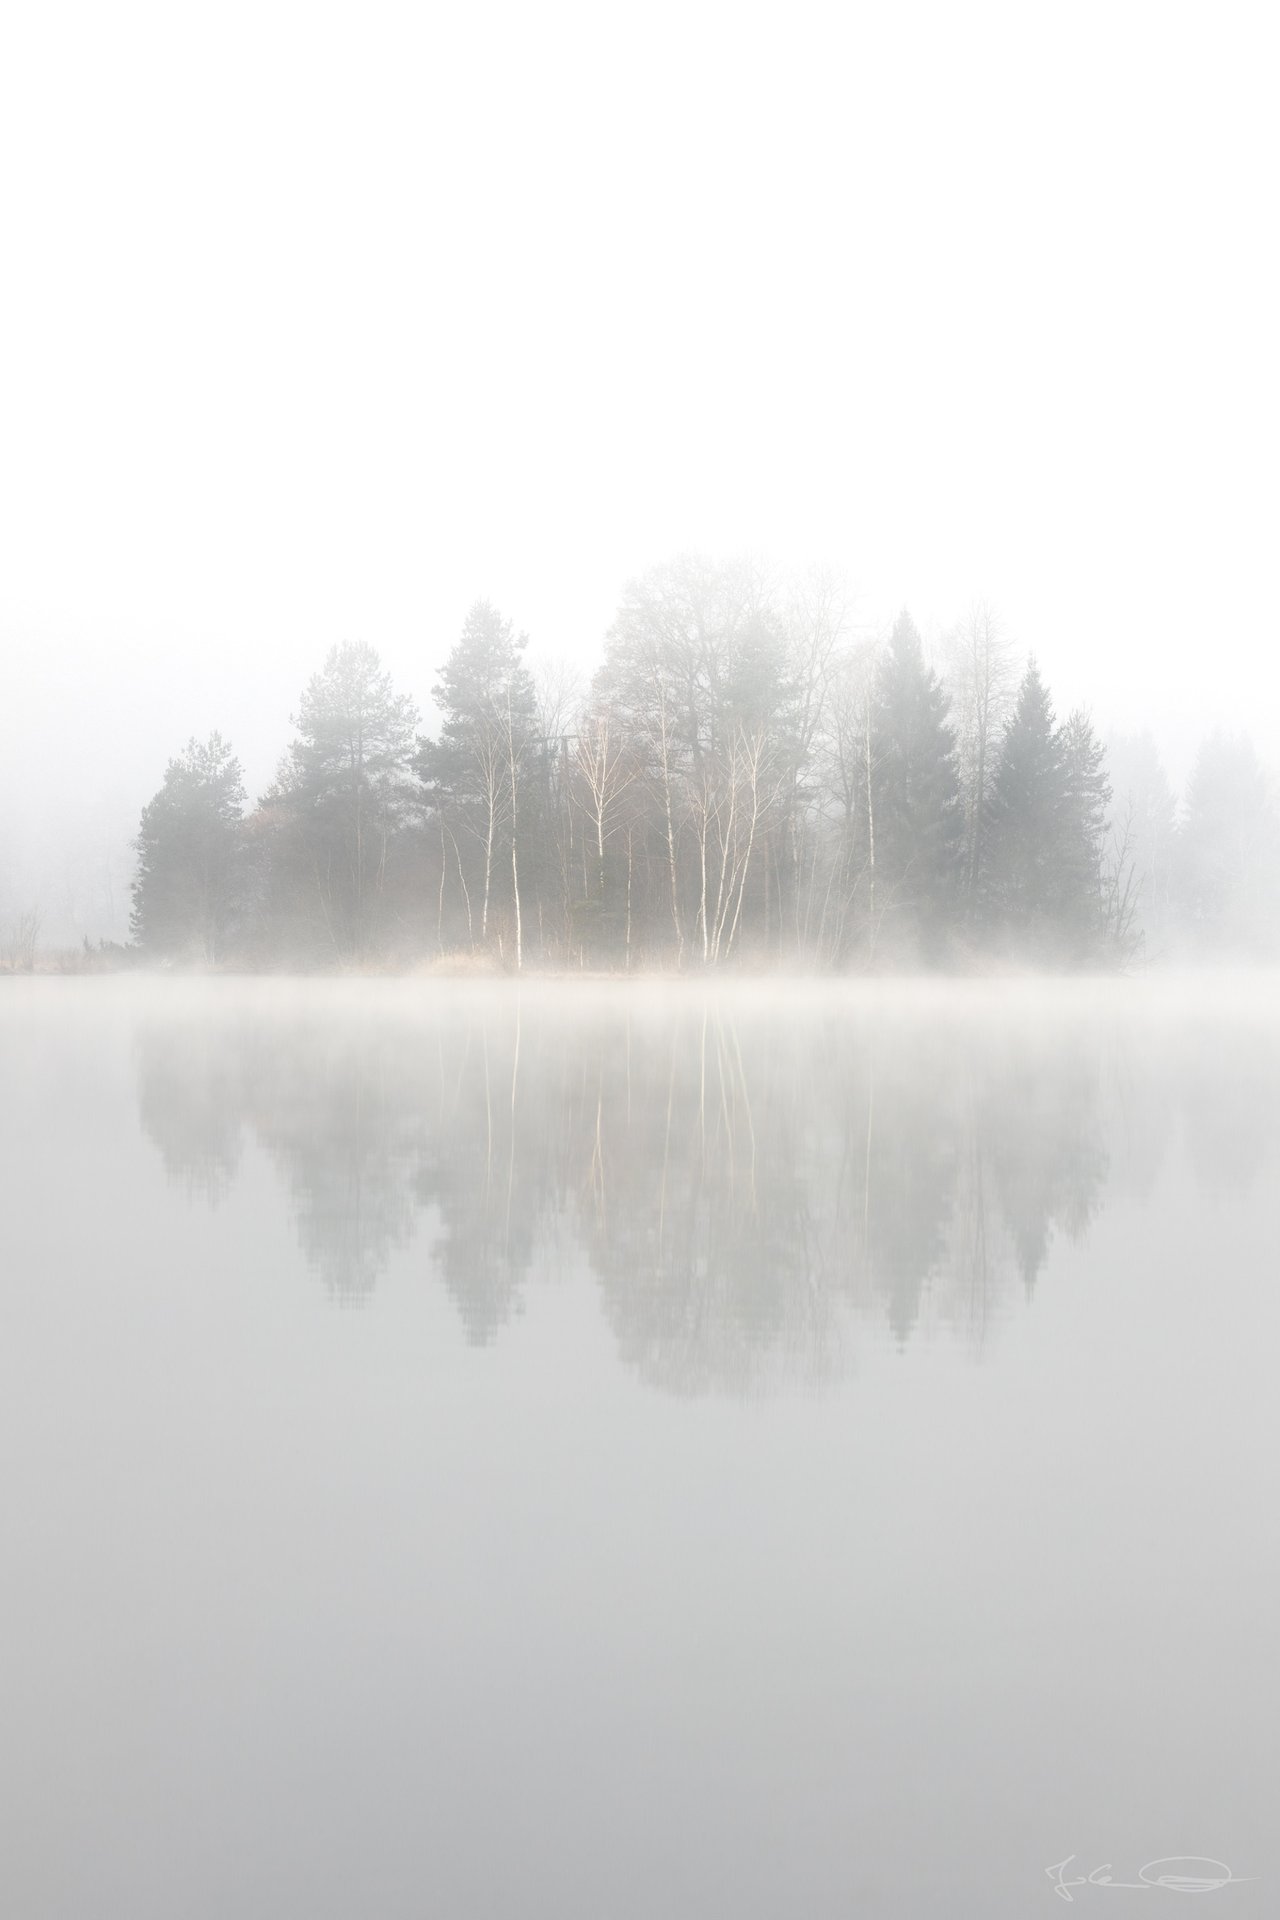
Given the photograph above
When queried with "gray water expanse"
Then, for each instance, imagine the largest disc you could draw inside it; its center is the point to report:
(596, 1450)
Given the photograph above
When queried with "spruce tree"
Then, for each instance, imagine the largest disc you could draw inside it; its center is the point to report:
(1024, 825)
(1046, 826)
(1085, 811)
(914, 802)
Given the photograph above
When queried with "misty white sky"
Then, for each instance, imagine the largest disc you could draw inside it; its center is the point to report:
(317, 322)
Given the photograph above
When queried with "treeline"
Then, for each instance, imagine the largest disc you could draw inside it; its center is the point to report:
(745, 778)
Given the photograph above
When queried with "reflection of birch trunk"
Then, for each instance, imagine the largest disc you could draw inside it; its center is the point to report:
(746, 1104)
(666, 1151)
(871, 840)
(488, 1117)
(511, 1150)
(980, 1227)
(597, 1164)
(866, 1168)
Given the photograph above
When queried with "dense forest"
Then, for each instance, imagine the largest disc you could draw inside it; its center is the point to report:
(746, 779)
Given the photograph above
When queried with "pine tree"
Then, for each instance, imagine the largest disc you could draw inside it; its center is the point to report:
(190, 884)
(343, 790)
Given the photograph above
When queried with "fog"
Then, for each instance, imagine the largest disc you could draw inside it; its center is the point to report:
(319, 328)
(532, 1449)
(639, 961)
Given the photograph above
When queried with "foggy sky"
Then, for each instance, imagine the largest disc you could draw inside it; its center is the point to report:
(318, 323)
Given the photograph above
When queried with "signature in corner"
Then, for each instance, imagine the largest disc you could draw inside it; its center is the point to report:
(1172, 1873)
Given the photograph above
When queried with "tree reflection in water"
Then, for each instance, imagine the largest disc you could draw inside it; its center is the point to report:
(750, 1178)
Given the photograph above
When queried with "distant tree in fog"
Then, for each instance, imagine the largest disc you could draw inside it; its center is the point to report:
(1085, 820)
(693, 675)
(1046, 827)
(474, 774)
(191, 880)
(1228, 856)
(1020, 881)
(1140, 853)
(343, 791)
(915, 824)
(603, 775)
(982, 681)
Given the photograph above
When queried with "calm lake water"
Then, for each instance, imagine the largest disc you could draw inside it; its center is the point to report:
(592, 1450)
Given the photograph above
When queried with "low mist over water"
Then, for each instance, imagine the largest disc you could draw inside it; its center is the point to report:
(596, 1448)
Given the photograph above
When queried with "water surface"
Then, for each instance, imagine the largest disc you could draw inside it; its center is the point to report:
(602, 1450)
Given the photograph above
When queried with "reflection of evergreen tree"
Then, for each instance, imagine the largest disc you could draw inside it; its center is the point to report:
(334, 1104)
(1042, 1133)
(910, 1174)
(486, 1164)
(191, 1104)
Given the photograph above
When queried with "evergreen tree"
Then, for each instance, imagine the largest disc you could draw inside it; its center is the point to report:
(190, 884)
(915, 821)
(342, 792)
(1086, 801)
(484, 674)
(1046, 830)
(1025, 822)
